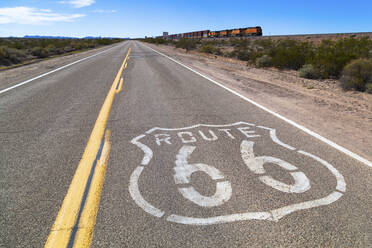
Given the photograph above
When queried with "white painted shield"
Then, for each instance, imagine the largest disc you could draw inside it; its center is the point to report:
(255, 164)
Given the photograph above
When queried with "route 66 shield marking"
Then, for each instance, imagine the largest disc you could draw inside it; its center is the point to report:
(247, 135)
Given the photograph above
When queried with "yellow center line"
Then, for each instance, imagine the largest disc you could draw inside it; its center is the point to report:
(60, 233)
(88, 216)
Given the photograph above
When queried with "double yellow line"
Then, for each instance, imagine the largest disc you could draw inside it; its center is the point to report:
(75, 221)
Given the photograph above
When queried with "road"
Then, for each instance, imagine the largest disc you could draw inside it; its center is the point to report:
(186, 163)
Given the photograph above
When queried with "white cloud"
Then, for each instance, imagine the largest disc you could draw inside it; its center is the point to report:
(79, 3)
(27, 15)
(102, 11)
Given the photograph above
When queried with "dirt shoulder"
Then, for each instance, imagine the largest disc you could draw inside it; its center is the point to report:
(18, 74)
(343, 117)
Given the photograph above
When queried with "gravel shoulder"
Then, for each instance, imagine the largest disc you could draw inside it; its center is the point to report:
(16, 75)
(343, 117)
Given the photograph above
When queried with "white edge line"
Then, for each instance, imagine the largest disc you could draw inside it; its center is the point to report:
(304, 129)
(50, 72)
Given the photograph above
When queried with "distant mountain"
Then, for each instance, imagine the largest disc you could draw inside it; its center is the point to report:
(92, 37)
(47, 37)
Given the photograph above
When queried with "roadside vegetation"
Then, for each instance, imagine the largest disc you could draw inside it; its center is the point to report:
(15, 51)
(348, 60)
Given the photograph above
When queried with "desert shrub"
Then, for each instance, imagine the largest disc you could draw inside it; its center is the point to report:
(39, 52)
(156, 41)
(290, 54)
(60, 50)
(104, 41)
(240, 43)
(357, 75)
(369, 88)
(264, 61)
(209, 48)
(332, 56)
(216, 43)
(77, 46)
(246, 54)
(327, 58)
(16, 56)
(161, 41)
(172, 42)
(4, 59)
(330, 60)
(265, 44)
(308, 71)
(243, 54)
(51, 49)
(68, 49)
(17, 50)
(187, 44)
(9, 56)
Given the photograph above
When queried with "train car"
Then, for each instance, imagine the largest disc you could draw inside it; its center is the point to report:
(223, 33)
(196, 34)
(236, 32)
(205, 33)
(239, 32)
(254, 31)
(213, 34)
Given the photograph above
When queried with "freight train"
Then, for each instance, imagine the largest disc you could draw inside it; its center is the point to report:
(239, 32)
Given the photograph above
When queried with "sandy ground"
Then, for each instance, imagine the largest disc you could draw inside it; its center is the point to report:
(343, 117)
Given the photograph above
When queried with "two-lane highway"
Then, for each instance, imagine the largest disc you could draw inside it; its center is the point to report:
(190, 163)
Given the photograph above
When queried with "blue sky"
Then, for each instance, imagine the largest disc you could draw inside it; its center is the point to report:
(139, 18)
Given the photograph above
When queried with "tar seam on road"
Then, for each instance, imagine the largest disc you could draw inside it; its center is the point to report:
(75, 221)
(119, 85)
(50, 72)
(302, 128)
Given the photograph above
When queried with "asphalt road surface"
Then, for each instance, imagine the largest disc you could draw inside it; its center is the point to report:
(190, 164)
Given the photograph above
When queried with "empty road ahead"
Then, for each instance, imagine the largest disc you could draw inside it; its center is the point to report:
(132, 149)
